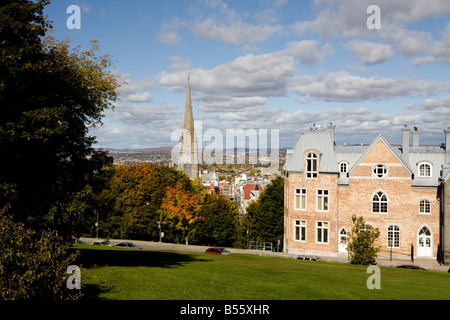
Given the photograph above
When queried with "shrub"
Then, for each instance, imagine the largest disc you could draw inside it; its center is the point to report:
(361, 248)
(33, 266)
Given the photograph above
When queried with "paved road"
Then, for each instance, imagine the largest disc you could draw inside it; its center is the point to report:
(427, 263)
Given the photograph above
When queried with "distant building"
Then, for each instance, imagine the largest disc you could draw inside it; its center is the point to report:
(394, 188)
(188, 153)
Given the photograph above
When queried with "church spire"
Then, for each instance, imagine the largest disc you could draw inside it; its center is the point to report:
(188, 117)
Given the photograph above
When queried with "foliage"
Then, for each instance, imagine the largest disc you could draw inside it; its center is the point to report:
(50, 96)
(181, 210)
(33, 266)
(129, 202)
(361, 247)
(266, 215)
(218, 226)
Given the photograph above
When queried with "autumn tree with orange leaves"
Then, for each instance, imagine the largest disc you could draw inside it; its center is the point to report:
(180, 210)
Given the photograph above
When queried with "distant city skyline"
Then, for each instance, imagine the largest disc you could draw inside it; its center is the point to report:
(270, 64)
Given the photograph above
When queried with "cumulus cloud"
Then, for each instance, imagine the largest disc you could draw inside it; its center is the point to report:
(370, 53)
(307, 51)
(248, 80)
(344, 87)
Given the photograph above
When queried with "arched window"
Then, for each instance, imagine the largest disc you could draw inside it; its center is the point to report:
(311, 166)
(424, 169)
(379, 203)
(343, 167)
(424, 207)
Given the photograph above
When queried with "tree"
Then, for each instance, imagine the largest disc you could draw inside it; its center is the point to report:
(129, 203)
(50, 97)
(266, 215)
(361, 247)
(181, 209)
(219, 222)
(33, 266)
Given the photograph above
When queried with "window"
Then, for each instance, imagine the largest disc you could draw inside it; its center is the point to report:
(380, 171)
(424, 207)
(379, 203)
(343, 167)
(300, 230)
(311, 166)
(393, 237)
(322, 200)
(300, 199)
(322, 232)
(424, 169)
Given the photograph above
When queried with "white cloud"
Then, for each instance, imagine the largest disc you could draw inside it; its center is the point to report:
(179, 63)
(139, 97)
(370, 53)
(306, 51)
(440, 52)
(344, 87)
(248, 79)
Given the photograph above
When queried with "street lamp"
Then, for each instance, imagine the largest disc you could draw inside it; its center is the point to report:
(96, 224)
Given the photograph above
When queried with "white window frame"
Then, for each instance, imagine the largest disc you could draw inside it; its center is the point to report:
(300, 228)
(380, 202)
(322, 198)
(322, 231)
(343, 164)
(302, 199)
(392, 235)
(376, 173)
(426, 205)
(311, 165)
(424, 163)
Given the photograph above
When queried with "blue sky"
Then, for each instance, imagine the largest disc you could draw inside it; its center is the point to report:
(270, 64)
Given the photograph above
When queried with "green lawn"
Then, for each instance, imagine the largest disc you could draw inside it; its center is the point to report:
(124, 274)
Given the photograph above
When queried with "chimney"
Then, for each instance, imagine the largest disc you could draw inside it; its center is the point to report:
(331, 128)
(447, 139)
(405, 142)
(415, 137)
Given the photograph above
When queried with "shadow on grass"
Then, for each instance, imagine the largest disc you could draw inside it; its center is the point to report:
(104, 257)
(133, 258)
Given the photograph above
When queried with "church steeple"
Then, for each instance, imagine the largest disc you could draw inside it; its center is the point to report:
(188, 117)
(188, 157)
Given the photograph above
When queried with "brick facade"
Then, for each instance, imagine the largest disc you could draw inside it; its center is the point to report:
(410, 209)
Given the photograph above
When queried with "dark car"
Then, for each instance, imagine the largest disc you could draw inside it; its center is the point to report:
(217, 251)
(409, 266)
(128, 245)
(300, 257)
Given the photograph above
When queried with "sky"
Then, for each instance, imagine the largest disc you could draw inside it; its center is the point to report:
(270, 64)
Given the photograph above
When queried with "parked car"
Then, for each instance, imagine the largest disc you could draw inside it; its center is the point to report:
(409, 266)
(101, 243)
(217, 251)
(128, 245)
(301, 257)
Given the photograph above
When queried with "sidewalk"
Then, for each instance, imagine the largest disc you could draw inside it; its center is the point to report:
(427, 263)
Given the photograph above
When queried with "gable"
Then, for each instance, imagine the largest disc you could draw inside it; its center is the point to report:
(380, 152)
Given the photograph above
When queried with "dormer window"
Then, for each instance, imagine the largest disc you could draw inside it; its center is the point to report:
(424, 169)
(343, 167)
(311, 166)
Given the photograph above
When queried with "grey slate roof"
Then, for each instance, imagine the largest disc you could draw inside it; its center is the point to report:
(331, 155)
(318, 141)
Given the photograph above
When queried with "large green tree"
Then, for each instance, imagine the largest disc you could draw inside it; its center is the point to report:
(50, 97)
(266, 215)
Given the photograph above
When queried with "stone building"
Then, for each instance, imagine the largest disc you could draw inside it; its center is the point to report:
(394, 188)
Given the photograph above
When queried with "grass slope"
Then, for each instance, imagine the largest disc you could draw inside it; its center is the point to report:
(121, 274)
